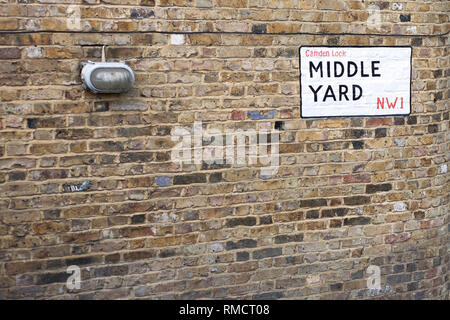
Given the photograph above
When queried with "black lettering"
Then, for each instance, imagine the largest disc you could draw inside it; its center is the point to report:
(329, 94)
(328, 69)
(315, 92)
(355, 98)
(364, 75)
(343, 89)
(338, 63)
(319, 67)
(374, 69)
(349, 74)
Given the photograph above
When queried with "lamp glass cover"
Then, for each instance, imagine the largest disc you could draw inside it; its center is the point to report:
(111, 79)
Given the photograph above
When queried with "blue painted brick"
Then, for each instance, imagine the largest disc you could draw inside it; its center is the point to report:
(257, 115)
(163, 181)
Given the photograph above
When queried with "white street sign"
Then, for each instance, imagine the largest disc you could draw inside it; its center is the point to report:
(355, 81)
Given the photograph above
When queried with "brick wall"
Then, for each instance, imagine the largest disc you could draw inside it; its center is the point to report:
(349, 192)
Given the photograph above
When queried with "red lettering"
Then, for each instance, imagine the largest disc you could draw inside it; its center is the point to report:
(391, 105)
(380, 103)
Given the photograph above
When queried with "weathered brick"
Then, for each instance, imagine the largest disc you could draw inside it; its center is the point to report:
(265, 220)
(312, 214)
(215, 177)
(126, 157)
(48, 174)
(356, 221)
(83, 260)
(313, 203)
(111, 271)
(47, 278)
(189, 179)
(241, 244)
(106, 146)
(76, 160)
(394, 238)
(128, 105)
(357, 145)
(259, 28)
(356, 200)
(242, 256)
(50, 227)
(74, 134)
(139, 255)
(247, 221)
(374, 188)
(336, 287)
(405, 17)
(10, 53)
(335, 212)
(375, 122)
(23, 267)
(400, 278)
(266, 253)
(380, 132)
(269, 296)
(132, 232)
(48, 148)
(16, 176)
(289, 238)
(34, 123)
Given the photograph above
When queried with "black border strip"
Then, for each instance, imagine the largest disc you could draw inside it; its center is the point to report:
(355, 116)
(278, 309)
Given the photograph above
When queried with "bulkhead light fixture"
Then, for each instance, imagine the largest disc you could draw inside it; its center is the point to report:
(106, 77)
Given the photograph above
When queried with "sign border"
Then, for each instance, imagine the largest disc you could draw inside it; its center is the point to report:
(355, 116)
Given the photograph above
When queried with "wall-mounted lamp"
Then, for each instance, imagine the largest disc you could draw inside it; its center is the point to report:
(106, 77)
